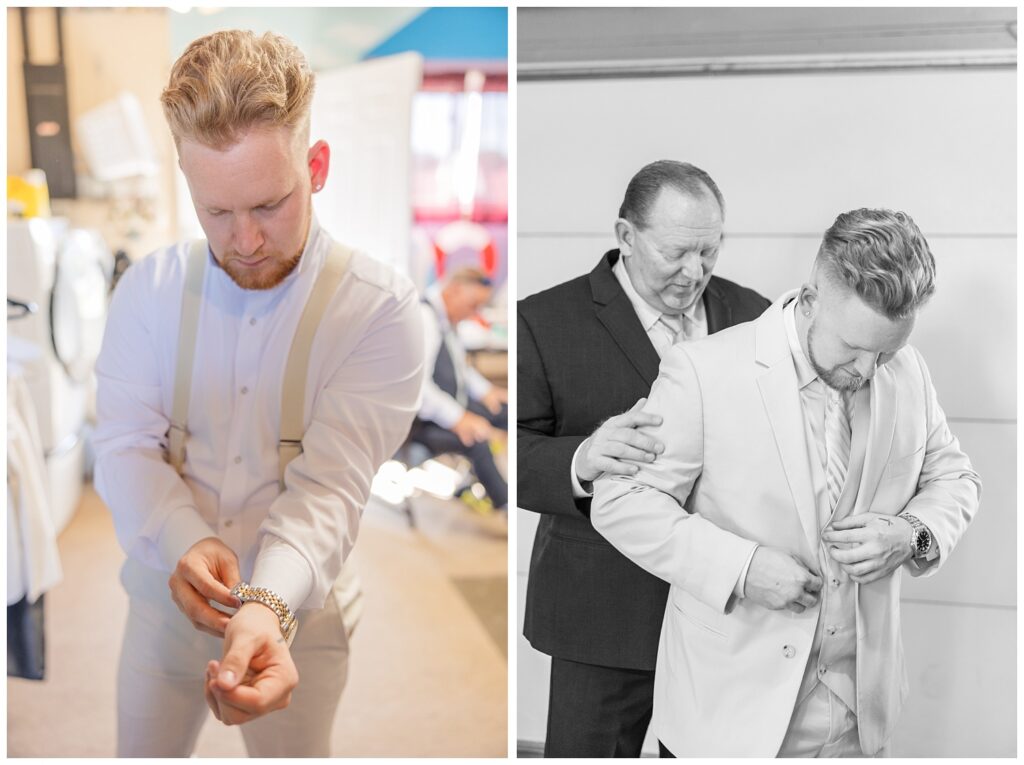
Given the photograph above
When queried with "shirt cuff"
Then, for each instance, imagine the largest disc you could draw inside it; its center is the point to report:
(448, 412)
(741, 584)
(578, 491)
(182, 529)
(280, 569)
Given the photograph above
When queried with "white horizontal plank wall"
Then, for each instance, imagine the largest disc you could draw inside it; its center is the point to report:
(790, 153)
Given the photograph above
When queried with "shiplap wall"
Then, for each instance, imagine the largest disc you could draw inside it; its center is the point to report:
(790, 152)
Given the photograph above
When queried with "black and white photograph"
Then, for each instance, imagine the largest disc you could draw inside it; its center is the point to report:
(766, 388)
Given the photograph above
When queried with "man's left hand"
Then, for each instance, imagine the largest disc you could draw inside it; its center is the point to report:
(494, 398)
(256, 675)
(869, 546)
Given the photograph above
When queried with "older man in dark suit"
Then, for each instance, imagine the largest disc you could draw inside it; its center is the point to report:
(588, 350)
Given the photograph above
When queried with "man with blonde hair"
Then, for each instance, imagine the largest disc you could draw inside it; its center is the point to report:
(461, 409)
(807, 463)
(249, 387)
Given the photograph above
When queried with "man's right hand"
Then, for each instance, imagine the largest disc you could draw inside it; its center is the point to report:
(616, 441)
(206, 572)
(472, 428)
(777, 580)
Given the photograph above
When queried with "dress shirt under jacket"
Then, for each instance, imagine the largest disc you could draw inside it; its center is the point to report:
(438, 406)
(362, 391)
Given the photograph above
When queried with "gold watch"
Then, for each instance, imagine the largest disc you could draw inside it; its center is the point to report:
(246, 593)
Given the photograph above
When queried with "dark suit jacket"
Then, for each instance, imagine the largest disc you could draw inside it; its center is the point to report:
(583, 357)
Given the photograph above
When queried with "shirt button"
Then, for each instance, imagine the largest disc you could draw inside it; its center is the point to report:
(788, 651)
(832, 630)
(238, 460)
(822, 669)
(835, 582)
(245, 389)
(252, 322)
(229, 523)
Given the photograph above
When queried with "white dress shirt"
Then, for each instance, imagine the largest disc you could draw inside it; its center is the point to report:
(695, 326)
(362, 392)
(438, 406)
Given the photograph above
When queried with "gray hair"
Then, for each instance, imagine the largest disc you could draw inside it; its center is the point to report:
(645, 186)
(883, 256)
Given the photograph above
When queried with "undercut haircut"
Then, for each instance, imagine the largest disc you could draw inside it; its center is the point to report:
(229, 82)
(883, 257)
(644, 187)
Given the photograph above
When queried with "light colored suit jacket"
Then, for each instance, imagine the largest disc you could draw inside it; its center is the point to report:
(735, 472)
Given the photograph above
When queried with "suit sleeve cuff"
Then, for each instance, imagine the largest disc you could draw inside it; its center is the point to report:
(578, 490)
(182, 529)
(741, 584)
(282, 570)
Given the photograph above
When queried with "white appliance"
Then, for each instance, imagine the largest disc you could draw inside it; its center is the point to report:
(65, 272)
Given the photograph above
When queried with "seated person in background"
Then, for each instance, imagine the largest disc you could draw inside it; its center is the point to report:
(461, 409)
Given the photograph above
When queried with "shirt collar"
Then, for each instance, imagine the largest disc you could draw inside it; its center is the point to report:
(648, 314)
(433, 296)
(805, 373)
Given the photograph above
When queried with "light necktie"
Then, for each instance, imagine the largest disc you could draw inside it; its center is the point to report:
(675, 326)
(837, 444)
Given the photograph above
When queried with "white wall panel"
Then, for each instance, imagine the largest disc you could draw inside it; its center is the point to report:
(533, 672)
(788, 152)
(963, 692)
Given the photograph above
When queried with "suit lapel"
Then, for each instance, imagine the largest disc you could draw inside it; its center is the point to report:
(884, 408)
(616, 313)
(716, 308)
(781, 396)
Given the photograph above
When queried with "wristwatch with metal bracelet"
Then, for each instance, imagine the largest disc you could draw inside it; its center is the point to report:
(246, 593)
(921, 539)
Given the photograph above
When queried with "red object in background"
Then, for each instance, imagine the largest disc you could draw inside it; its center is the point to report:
(462, 234)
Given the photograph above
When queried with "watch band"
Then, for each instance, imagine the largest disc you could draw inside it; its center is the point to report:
(922, 536)
(246, 593)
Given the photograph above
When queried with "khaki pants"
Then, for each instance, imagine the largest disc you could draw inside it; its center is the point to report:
(161, 706)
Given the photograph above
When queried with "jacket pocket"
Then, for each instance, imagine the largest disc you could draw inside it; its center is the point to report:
(691, 611)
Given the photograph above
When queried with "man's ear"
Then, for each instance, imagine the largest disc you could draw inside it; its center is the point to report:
(625, 234)
(319, 159)
(807, 299)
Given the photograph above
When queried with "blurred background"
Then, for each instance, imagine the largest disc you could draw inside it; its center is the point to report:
(414, 103)
(800, 114)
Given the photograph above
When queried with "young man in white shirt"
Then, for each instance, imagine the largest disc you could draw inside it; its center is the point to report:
(238, 106)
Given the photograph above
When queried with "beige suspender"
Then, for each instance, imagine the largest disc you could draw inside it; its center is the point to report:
(191, 299)
(293, 385)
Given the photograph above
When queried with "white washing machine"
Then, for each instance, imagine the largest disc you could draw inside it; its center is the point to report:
(65, 272)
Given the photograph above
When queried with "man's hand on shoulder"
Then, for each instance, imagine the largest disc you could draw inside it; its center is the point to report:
(256, 675)
(206, 572)
(777, 580)
(617, 446)
(870, 546)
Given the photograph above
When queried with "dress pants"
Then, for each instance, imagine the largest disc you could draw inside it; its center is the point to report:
(443, 441)
(161, 705)
(597, 711)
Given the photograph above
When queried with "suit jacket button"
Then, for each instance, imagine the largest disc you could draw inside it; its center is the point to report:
(788, 651)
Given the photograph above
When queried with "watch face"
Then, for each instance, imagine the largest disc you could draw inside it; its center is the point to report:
(923, 540)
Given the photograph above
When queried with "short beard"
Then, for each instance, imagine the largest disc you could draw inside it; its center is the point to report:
(831, 378)
(265, 278)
